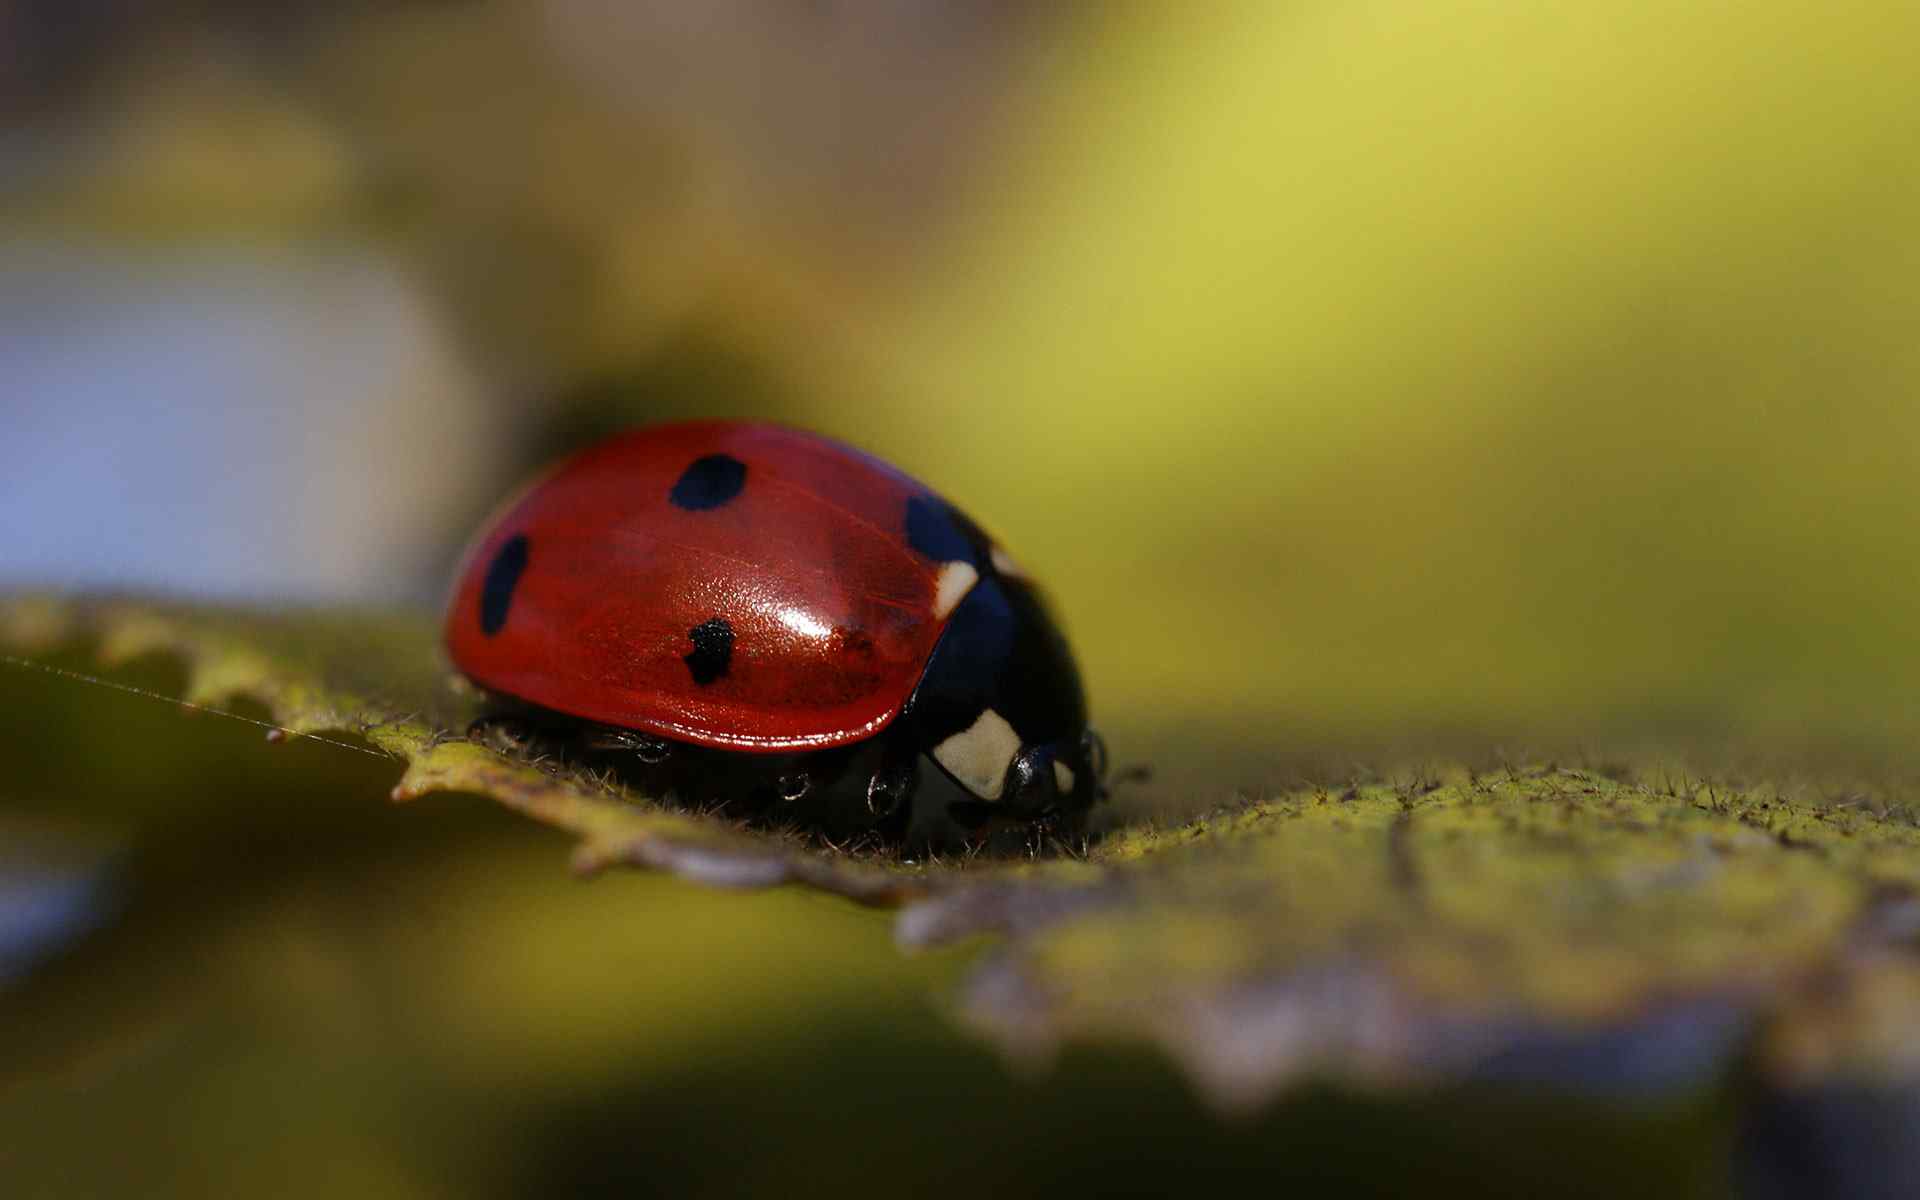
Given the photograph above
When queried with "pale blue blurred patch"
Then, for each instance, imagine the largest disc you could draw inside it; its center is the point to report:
(45, 903)
(231, 420)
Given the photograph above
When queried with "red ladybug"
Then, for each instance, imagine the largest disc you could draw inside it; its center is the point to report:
(753, 614)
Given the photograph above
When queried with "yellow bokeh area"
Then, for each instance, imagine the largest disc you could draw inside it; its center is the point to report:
(1419, 363)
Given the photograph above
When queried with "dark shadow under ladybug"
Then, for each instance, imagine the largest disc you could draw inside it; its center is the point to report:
(884, 792)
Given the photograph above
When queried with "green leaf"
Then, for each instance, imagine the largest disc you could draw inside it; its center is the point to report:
(1632, 929)
(380, 677)
(1549, 924)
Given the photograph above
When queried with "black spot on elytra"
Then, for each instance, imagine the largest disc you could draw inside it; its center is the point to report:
(712, 650)
(503, 575)
(709, 483)
(932, 531)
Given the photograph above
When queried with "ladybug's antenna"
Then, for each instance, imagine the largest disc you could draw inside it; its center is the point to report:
(276, 733)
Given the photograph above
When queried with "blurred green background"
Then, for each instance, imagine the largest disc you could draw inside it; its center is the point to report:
(1352, 372)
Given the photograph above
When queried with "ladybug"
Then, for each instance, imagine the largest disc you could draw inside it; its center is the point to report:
(754, 616)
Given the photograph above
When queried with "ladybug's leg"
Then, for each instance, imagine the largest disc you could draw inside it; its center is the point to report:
(648, 749)
(890, 789)
(510, 734)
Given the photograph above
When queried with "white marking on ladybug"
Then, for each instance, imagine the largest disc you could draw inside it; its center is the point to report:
(956, 580)
(1005, 564)
(1062, 777)
(979, 755)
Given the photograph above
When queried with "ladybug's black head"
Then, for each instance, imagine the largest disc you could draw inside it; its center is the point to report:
(1063, 779)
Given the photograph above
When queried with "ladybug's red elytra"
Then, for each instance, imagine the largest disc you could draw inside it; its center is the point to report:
(752, 614)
